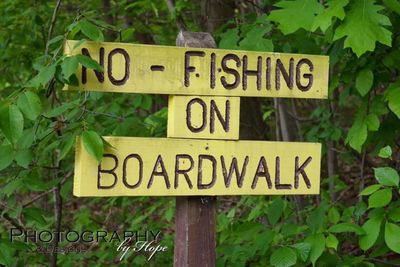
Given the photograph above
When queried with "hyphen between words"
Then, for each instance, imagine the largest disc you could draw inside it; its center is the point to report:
(230, 70)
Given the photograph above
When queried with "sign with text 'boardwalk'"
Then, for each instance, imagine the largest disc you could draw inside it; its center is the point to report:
(173, 167)
(133, 68)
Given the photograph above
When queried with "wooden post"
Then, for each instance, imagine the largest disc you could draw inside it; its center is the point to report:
(195, 216)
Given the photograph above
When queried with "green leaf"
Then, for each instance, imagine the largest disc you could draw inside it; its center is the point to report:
(317, 242)
(303, 249)
(93, 144)
(370, 189)
(380, 198)
(283, 257)
(69, 66)
(394, 214)
(43, 77)
(364, 81)
(314, 221)
(357, 134)
(231, 213)
(331, 241)
(13, 185)
(147, 102)
(363, 26)
(372, 122)
(56, 39)
(376, 213)
(91, 31)
(89, 63)
(255, 41)
(34, 214)
(11, 122)
(6, 156)
(393, 5)
(24, 157)
(392, 97)
(372, 228)
(293, 15)
(333, 215)
(385, 152)
(61, 109)
(29, 104)
(67, 146)
(324, 19)
(6, 257)
(387, 176)
(275, 210)
(229, 39)
(346, 227)
(392, 236)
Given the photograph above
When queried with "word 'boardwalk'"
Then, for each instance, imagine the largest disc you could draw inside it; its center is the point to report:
(159, 166)
(204, 105)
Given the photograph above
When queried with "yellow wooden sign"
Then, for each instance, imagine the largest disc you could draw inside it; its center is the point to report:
(204, 117)
(174, 167)
(132, 68)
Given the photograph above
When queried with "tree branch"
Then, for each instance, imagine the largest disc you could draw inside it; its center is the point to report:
(52, 23)
(47, 192)
(178, 18)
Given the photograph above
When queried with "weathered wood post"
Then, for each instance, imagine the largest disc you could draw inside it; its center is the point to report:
(195, 216)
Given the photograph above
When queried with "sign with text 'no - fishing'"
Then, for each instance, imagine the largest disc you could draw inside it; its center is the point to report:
(151, 69)
(174, 167)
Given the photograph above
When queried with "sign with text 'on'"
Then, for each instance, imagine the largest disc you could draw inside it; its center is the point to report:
(172, 167)
(152, 69)
(204, 117)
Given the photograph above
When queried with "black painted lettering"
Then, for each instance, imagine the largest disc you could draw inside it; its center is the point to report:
(124, 171)
(212, 71)
(268, 74)
(300, 170)
(110, 171)
(247, 72)
(234, 168)
(224, 122)
(189, 124)
(123, 80)
(288, 77)
(155, 172)
(278, 184)
(307, 76)
(229, 70)
(178, 170)
(200, 184)
(99, 74)
(262, 171)
(189, 68)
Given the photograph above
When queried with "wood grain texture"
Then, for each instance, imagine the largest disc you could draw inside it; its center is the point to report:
(201, 71)
(187, 167)
(203, 117)
(195, 231)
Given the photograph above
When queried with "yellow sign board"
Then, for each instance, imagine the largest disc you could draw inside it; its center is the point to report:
(175, 167)
(133, 68)
(204, 117)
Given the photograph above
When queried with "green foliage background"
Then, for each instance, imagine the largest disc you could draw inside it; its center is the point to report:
(354, 222)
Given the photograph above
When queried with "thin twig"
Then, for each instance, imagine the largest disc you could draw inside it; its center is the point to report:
(52, 23)
(179, 20)
(14, 222)
(47, 192)
(362, 182)
(102, 113)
